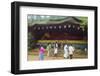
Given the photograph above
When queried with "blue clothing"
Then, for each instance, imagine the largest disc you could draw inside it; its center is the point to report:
(41, 56)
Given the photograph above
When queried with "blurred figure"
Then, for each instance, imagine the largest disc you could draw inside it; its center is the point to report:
(55, 49)
(48, 49)
(71, 50)
(41, 53)
(85, 49)
(66, 51)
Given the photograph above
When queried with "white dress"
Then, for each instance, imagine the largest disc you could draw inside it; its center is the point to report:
(66, 51)
(56, 49)
(71, 50)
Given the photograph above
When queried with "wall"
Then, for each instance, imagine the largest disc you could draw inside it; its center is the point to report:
(5, 41)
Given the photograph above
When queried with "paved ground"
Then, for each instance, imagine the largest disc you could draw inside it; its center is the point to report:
(31, 57)
(77, 55)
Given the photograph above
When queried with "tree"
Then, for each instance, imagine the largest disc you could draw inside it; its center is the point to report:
(84, 21)
(30, 41)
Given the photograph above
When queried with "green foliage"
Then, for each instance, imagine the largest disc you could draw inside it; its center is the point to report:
(84, 21)
(42, 19)
(30, 41)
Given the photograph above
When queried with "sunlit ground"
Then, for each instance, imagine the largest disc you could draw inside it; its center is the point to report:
(78, 54)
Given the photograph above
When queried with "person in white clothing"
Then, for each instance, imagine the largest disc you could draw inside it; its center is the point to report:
(55, 49)
(71, 50)
(66, 51)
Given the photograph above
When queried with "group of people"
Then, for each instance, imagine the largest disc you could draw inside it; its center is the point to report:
(68, 51)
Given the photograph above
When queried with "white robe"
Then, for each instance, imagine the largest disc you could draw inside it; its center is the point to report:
(56, 49)
(71, 50)
(66, 51)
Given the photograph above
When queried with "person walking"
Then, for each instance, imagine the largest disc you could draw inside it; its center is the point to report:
(66, 51)
(41, 53)
(48, 49)
(71, 51)
(55, 49)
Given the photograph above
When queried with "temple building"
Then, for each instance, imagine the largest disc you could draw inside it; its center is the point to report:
(67, 29)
